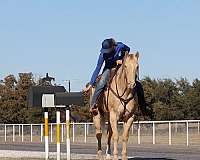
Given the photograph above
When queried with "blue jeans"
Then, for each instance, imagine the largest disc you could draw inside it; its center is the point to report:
(100, 85)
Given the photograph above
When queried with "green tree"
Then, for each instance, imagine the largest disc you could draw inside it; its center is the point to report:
(8, 100)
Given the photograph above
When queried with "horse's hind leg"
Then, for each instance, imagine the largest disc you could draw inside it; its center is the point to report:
(109, 136)
(98, 126)
(125, 136)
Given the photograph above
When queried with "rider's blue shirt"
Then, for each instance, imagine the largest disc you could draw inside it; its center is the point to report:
(110, 59)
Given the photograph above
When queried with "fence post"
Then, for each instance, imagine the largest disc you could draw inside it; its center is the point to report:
(62, 132)
(187, 124)
(31, 132)
(153, 132)
(85, 133)
(41, 132)
(22, 133)
(51, 132)
(170, 134)
(138, 133)
(87, 129)
(5, 132)
(19, 130)
(13, 132)
(176, 127)
(132, 129)
(73, 131)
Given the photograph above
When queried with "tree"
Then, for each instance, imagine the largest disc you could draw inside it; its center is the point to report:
(8, 100)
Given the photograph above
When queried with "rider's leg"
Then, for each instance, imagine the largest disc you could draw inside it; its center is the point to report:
(100, 86)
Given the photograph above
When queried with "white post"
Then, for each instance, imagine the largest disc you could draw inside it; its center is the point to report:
(5, 132)
(153, 132)
(87, 129)
(170, 134)
(13, 133)
(22, 133)
(85, 133)
(176, 127)
(31, 133)
(62, 132)
(19, 130)
(58, 133)
(139, 133)
(51, 132)
(41, 132)
(73, 131)
(187, 133)
(46, 134)
(68, 133)
(198, 127)
(132, 129)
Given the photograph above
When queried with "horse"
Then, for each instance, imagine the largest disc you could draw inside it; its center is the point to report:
(119, 101)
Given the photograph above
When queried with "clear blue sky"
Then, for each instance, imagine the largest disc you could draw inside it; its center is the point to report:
(64, 37)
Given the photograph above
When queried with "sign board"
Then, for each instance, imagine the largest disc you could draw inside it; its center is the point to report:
(48, 100)
(35, 94)
(53, 96)
(72, 98)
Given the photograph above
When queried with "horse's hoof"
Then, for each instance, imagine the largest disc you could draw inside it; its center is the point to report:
(108, 157)
(124, 157)
(115, 157)
(100, 155)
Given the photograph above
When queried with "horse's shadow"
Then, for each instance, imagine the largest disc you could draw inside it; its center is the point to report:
(139, 158)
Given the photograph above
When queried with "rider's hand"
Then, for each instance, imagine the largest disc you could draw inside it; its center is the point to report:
(119, 62)
(87, 88)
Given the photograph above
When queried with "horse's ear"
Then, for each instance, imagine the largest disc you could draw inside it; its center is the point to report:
(126, 55)
(137, 55)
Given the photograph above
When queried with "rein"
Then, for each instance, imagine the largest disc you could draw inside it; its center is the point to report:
(123, 101)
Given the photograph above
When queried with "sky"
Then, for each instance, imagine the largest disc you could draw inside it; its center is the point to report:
(63, 37)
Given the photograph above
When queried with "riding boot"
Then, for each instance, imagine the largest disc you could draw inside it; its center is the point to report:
(94, 109)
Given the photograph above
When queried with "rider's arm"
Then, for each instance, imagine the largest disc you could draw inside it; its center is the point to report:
(97, 69)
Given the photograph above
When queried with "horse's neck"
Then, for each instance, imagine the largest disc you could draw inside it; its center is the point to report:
(121, 82)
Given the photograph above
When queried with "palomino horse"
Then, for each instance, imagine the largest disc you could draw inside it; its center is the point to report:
(119, 102)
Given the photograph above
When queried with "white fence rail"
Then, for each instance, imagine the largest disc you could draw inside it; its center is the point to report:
(184, 132)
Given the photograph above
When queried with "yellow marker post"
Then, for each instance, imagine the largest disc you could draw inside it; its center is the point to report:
(58, 133)
(46, 133)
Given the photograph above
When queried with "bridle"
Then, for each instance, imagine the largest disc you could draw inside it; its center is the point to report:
(123, 101)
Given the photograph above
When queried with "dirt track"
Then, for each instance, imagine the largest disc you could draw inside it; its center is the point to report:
(141, 152)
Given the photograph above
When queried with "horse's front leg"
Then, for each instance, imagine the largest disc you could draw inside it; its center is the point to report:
(109, 136)
(125, 137)
(113, 123)
(97, 123)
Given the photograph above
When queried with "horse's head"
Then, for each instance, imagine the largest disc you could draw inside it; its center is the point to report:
(130, 66)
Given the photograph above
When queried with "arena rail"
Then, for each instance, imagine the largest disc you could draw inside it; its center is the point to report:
(17, 132)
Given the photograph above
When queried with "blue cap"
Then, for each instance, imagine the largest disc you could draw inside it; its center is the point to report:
(107, 46)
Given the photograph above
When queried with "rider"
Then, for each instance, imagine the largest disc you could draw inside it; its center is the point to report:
(112, 53)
